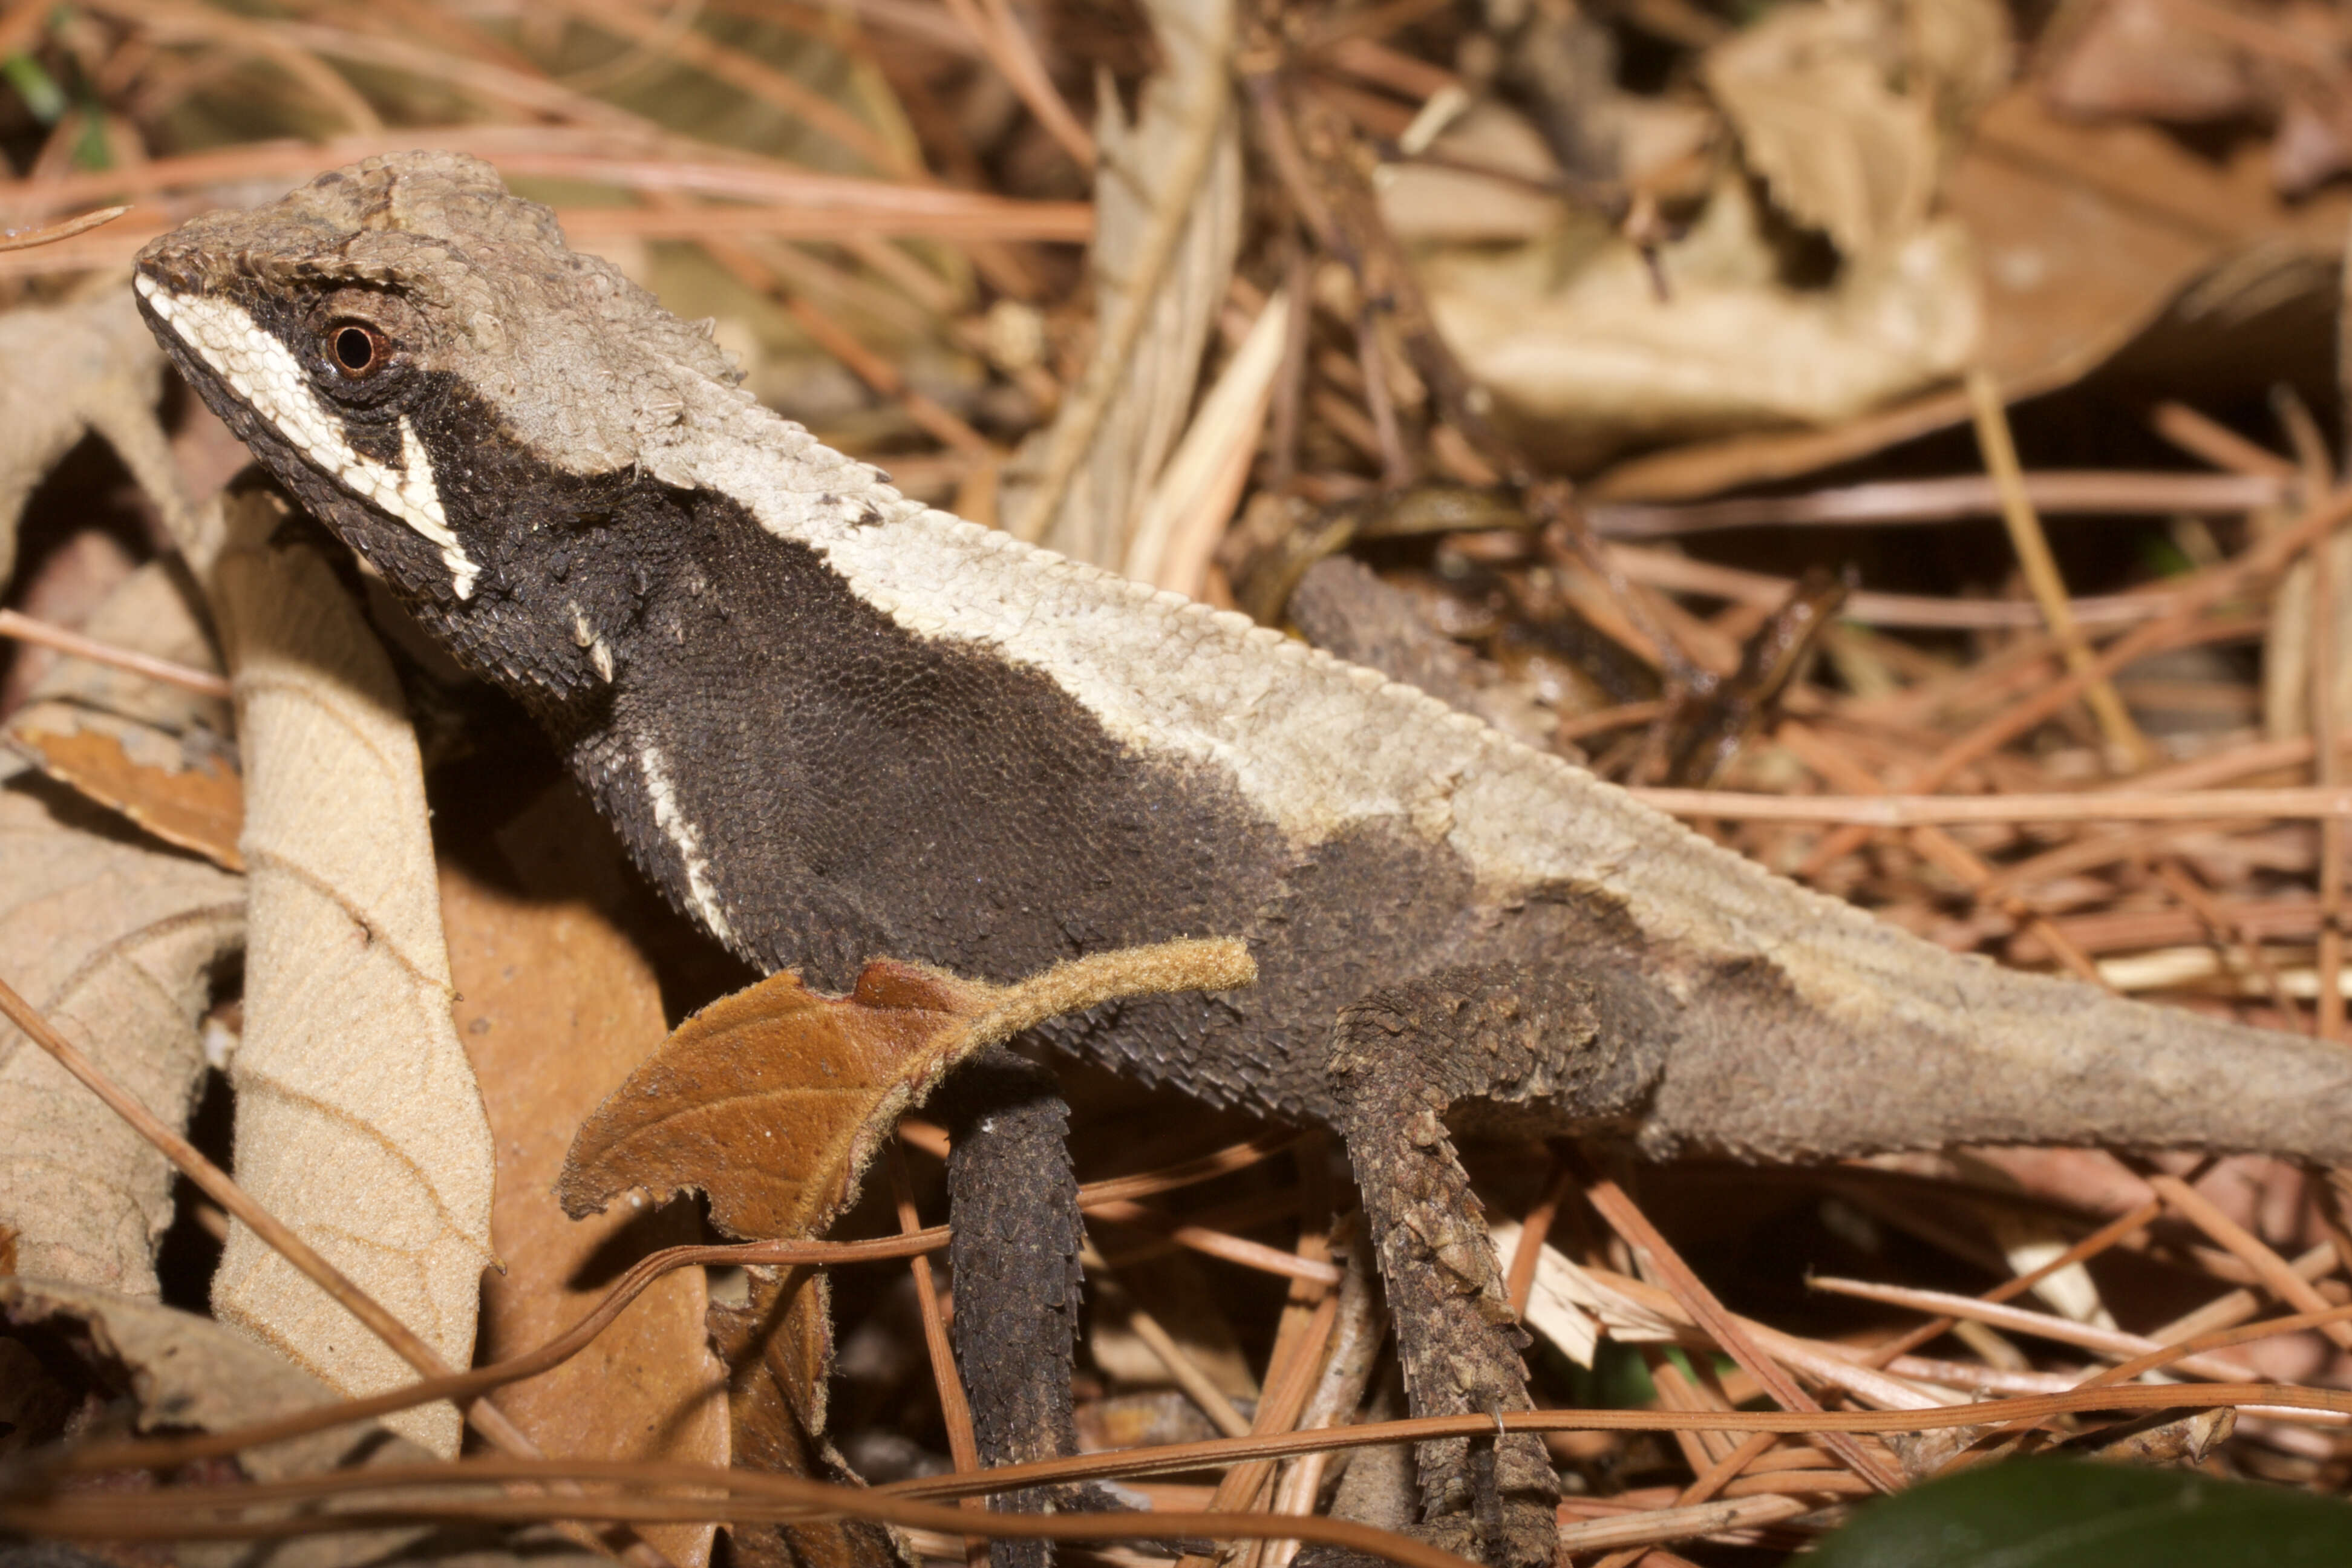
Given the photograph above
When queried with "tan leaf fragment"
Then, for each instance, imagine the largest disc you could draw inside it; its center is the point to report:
(199, 808)
(1808, 91)
(2144, 59)
(116, 943)
(358, 1119)
(774, 1100)
(557, 1004)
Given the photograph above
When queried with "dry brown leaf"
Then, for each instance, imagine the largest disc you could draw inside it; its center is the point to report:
(557, 1004)
(1157, 292)
(199, 808)
(358, 1119)
(116, 943)
(774, 1100)
(72, 369)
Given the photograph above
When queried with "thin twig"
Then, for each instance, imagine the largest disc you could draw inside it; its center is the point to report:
(1949, 500)
(2268, 555)
(1627, 1219)
(2042, 567)
(2273, 1271)
(1923, 810)
(65, 229)
(2100, 1240)
(25, 628)
(955, 1410)
(172, 1452)
(2227, 929)
(1000, 38)
(2217, 444)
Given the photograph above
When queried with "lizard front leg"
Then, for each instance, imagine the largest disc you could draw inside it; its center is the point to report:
(1399, 1060)
(1014, 1252)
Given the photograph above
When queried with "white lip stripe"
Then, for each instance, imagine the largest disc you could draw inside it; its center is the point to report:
(264, 373)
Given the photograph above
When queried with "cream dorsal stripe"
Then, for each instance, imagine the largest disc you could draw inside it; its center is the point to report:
(263, 373)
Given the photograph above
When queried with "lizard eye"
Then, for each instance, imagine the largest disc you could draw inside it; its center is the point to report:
(356, 349)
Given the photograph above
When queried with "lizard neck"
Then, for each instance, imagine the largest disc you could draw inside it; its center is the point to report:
(818, 784)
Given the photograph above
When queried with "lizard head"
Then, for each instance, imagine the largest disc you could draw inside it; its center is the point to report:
(413, 351)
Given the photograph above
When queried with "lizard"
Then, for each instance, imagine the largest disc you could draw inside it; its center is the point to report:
(831, 722)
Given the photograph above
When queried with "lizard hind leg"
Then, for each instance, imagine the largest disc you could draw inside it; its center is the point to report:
(1401, 1059)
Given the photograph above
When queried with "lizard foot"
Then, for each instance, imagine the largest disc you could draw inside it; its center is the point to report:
(1401, 1059)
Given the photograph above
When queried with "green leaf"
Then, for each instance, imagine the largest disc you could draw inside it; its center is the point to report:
(2066, 1513)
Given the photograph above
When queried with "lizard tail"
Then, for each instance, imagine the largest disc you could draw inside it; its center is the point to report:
(1957, 1050)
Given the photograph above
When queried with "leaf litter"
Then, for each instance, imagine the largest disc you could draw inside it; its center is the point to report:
(1790, 237)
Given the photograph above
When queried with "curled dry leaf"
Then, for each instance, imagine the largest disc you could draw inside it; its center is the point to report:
(774, 1100)
(115, 941)
(556, 1006)
(2093, 243)
(158, 754)
(778, 1347)
(73, 369)
(1843, 149)
(186, 1372)
(358, 1120)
